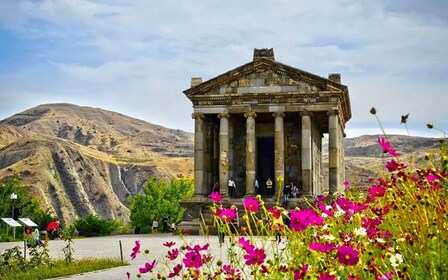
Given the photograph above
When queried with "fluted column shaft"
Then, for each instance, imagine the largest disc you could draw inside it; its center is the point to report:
(223, 152)
(279, 153)
(333, 150)
(250, 152)
(198, 153)
(307, 156)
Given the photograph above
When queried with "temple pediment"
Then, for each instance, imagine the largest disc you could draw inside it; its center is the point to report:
(264, 76)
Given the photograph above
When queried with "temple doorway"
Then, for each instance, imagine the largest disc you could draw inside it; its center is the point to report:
(265, 164)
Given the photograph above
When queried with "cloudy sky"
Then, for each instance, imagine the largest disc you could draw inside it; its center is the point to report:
(136, 57)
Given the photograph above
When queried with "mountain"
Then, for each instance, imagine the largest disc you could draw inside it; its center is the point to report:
(81, 160)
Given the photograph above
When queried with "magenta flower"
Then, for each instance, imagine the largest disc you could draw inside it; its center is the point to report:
(193, 259)
(387, 148)
(301, 219)
(326, 276)
(135, 250)
(173, 254)
(377, 191)
(128, 275)
(323, 247)
(148, 267)
(324, 208)
(227, 215)
(198, 248)
(347, 255)
(275, 211)
(176, 271)
(256, 256)
(216, 197)
(230, 271)
(169, 244)
(392, 165)
(299, 274)
(252, 204)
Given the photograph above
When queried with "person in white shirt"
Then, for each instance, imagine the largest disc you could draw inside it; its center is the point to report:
(232, 187)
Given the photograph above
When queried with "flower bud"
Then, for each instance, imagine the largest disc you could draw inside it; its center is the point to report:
(373, 111)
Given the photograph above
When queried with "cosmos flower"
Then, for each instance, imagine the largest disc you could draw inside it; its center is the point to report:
(301, 219)
(347, 255)
(193, 259)
(326, 276)
(387, 148)
(148, 267)
(392, 165)
(227, 215)
(176, 271)
(252, 204)
(299, 274)
(169, 244)
(322, 247)
(256, 256)
(135, 250)
(216, 197)
(172, 255)
(377, 191)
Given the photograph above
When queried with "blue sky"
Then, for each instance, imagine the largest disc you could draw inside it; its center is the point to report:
(136, 57)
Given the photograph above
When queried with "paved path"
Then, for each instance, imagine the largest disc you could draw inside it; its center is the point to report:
(99, 247)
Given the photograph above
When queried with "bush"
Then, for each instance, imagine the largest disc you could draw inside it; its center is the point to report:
(92, 225)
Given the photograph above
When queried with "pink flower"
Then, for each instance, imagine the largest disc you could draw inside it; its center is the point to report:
(216, 197)
(323, 247)
(323, 207)
(169, 244)
(326, 276)
(193, 259)
(128, 275)
(251, 204)
(256, 256)
(230, 271)
(301, 219)
(148, 267)
(275, 211)
(176, 271)
(347, 255)
(172, 255)
(387, 148)
(377, 191)
(135, 250)
(300, 273)
(227, 215)
(392, 165)
(198, 248)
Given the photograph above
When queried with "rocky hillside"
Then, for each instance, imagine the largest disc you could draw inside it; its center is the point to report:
(81, 160)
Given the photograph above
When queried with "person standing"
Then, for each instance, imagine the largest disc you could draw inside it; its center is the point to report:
(165, 224)
(294, 191)
(215, 187)
(269, 186)
(232, 187)
(286, 194)
(257, 187)
(155, 225)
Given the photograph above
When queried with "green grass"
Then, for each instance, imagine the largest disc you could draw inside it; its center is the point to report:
(60, 269)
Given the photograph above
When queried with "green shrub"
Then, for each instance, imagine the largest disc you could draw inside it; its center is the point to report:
(92, 225)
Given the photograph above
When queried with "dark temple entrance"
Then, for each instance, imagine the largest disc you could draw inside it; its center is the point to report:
(265, 164)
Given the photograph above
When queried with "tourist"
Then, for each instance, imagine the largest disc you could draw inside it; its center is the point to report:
(173, 227)
(165, 224)
(269, 186)
(286, 194)
(28, 237)
(36, 236)
(54, 230)
(294, 191)
(215, 187)
(155, 225)
(232, 187)
(257, 187)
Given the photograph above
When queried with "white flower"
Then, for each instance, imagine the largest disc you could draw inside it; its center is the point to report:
(380, 240)
(328, 237)
(396, 259)
(360, 231)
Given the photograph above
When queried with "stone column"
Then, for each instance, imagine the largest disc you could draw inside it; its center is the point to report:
(307, 155)
(250, 152)
(223, 152)
(279, 153)
(333, 150)
(198, 153)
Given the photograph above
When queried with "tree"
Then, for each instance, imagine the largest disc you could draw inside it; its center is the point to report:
(159, 199)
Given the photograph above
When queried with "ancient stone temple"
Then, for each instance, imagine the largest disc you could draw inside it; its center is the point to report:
(266, 119)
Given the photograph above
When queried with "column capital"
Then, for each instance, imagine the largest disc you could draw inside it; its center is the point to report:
(250, 114)
(278, 114)
(332, 112)
(197, 116)
(223, 115)
(306, 113)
